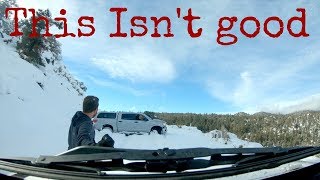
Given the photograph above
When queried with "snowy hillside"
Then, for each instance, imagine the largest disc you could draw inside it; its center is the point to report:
(35, 106)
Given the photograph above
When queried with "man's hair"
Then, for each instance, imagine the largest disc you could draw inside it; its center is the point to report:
(90, 104)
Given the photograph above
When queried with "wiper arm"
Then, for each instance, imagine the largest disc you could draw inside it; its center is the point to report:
(281, 158)
(94, 162)
(164, 160)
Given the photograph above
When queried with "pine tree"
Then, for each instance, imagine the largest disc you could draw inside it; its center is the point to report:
(31, 49)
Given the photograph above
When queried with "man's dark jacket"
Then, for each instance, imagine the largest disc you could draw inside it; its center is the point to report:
(81, 132)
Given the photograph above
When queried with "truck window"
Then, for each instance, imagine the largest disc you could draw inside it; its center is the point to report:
(107, 115)
(142, 117)
(129, 116)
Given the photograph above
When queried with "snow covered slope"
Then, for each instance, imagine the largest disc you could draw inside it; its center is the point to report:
(35, 107)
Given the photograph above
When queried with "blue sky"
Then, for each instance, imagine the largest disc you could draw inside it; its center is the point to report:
(182, 74)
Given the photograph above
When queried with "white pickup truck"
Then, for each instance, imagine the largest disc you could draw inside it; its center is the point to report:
(128, 122)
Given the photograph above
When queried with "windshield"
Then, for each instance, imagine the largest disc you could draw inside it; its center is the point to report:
(211, 74)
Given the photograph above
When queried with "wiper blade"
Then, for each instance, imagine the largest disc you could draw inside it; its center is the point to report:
(97, 162)
(87, 153)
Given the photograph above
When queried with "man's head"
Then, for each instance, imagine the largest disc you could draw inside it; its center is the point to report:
(90, 105)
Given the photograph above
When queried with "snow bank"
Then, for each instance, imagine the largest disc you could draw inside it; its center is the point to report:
(184, 137)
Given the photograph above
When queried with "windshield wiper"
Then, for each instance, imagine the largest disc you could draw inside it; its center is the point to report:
(99, 162)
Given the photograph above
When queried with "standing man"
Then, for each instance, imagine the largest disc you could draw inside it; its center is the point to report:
(81, 131)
